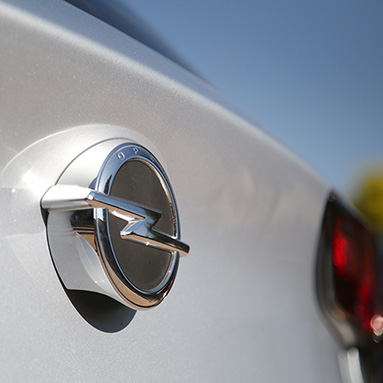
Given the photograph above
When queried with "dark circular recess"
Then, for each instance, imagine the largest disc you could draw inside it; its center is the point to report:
(145, 267)
(100, 311)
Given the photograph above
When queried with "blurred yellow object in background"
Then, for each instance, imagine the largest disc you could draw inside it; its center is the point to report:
(369, 198)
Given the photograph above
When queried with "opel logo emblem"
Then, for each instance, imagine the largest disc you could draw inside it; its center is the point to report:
(113, 225)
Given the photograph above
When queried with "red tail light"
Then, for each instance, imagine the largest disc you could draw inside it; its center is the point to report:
(346, 273)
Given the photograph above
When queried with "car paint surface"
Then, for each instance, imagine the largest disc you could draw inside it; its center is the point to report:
(243, 306)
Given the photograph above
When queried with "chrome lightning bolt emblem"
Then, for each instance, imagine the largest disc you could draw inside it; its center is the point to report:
(101, 242)
(140, 220)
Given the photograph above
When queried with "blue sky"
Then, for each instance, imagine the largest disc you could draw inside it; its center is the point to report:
(310, 73)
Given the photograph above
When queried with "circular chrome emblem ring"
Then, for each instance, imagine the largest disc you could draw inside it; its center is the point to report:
(113, 225)
(132, 168)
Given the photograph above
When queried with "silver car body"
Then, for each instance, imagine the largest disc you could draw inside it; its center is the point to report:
(243, 307)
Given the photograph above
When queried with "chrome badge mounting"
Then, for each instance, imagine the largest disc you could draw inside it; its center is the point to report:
(113, 225)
